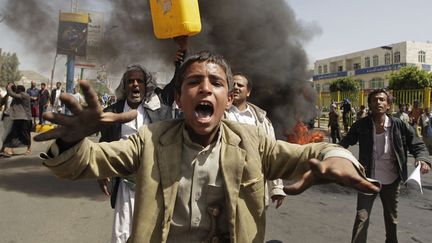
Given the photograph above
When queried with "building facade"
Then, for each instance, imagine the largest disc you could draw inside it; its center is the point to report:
(370, 67)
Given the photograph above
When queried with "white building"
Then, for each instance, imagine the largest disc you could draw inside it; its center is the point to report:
(371, 66)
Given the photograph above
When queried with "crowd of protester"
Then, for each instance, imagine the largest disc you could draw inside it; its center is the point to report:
(125, 168)
(22, 111)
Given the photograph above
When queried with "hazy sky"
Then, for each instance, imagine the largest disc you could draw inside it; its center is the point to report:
(12, 42)
(349, 25)
(340, 26)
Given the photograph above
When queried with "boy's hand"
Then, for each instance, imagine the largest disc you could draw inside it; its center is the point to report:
(84, 121)
(333, 169)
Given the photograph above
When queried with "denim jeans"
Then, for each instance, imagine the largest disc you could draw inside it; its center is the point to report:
(42, 109)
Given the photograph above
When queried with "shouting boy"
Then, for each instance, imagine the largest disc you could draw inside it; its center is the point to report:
(203, 177)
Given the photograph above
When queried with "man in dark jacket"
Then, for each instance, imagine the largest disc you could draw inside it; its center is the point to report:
(43, 100)
(384, 142)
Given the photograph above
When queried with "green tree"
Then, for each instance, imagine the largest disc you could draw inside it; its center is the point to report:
(409, 77)
(344, 84)
(9, 64)
(99, 87)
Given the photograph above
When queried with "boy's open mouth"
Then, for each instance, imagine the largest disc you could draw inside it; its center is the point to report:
(204, 111)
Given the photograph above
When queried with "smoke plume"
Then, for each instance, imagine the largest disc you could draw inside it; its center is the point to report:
(35, 22)
(262, 39)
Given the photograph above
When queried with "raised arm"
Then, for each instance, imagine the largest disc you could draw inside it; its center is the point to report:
(11, 93)
(168, 91)
(314, 163)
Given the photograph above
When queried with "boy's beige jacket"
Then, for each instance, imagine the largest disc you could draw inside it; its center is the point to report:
(247, 157)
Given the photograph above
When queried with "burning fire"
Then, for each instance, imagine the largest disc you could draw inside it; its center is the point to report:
(301, 135)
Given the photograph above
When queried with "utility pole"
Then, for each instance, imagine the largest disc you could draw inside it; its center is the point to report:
(70, 64)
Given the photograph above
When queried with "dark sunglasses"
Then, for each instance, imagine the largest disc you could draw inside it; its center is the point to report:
(132, 80)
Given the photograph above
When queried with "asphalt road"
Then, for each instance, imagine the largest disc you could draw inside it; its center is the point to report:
(35, 206)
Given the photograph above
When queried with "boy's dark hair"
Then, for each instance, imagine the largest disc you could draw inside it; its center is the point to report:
(203, 56)
(249, 81)
(377, 91)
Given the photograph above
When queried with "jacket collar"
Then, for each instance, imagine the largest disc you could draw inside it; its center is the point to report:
(260, 113)
(153, 103)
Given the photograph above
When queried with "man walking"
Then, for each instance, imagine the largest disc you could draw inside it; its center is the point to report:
(383, 142)
(333, 124)
(56, 104)
(414, 116)
(34, 93)
(20, 115)
(346, 112)
(43, 100)
(246, 112)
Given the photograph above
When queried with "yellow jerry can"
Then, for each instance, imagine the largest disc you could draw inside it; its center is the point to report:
(43, 127)
(173, 18)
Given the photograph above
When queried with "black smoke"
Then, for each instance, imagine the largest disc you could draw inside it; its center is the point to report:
(32, 19)
(262, 39)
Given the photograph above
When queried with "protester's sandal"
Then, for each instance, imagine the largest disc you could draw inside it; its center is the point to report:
(7, 152)
(6, 155)
(28, 152)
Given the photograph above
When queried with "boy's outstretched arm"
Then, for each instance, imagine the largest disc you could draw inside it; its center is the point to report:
(332, 169)
(84, 121)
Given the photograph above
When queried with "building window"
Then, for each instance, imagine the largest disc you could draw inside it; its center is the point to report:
(340, 68)
(319, 70)
(356, 66)
(375, 61)
(317, 88)
(387, 59)
(397, 57)
(325, 69)
(422, 56)
(326, 87)
(361, 83)
(377, 83)
(367, 62)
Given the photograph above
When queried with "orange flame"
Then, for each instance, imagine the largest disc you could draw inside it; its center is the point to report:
(301, 135)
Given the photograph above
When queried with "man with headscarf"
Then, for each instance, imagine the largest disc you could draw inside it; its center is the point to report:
(135, 92)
